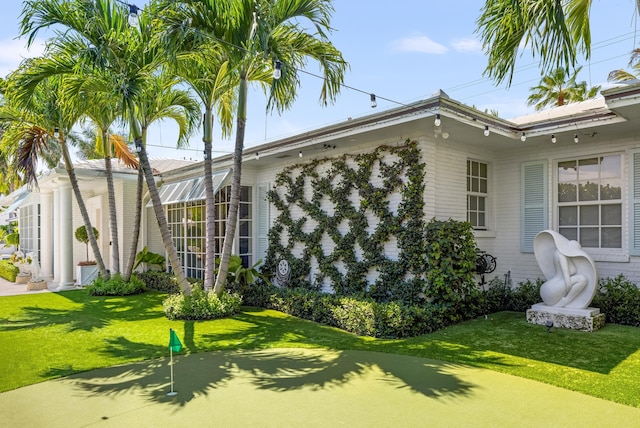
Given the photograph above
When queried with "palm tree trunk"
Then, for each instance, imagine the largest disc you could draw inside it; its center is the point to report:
(83, 209)
(170, 249)
(113, 216)
(210, 252)
(234, 203)
(133, 248)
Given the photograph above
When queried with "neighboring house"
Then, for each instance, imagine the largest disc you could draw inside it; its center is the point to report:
(574, 169)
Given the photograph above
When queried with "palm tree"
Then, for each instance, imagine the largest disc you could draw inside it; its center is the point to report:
(203, 66)
(558, 89)
(620, 76)
(97, 35)
(45, 115)
(555, 31)
(258, 36)
(160, 100)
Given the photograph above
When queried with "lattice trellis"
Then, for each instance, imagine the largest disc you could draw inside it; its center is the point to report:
(356, 220)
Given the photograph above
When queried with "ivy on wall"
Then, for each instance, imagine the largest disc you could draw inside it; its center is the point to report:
(347, 199)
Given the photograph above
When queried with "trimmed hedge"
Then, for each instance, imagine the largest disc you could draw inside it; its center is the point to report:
(163, 282)
(201, 305)
(8, 271)
(619, 299)
(115, 286)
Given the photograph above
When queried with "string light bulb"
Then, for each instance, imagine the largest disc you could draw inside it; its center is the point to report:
(257, 156)
(523, 137)
(374, 103)
(437, 121)
(576, 139)
(486, 131)
(553, 138)
(277, 71)
(133, 15)
(56, 132)
(300, 154)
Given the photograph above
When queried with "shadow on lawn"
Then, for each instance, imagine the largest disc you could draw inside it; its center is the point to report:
(272, 369)
(86, 312)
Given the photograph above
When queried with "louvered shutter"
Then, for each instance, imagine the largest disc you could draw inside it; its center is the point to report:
(533, 203)
(634, 205)
(263, 222)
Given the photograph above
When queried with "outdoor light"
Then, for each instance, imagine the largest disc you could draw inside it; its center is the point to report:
(374, 103)
(138, 144)
(257, 156)
(553, 138)
(300, 154)
(523, 137)
(133, 15)
(576, 139)
(549, 324)
(486, 131)
(277, 71)
(56, 132)
(437, 121)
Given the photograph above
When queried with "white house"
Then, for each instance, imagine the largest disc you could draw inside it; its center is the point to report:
(574, 169)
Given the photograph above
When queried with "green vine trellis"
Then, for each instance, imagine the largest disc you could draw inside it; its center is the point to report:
(356, 253)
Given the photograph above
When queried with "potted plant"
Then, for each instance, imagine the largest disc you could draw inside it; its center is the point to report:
(86, 271)
(23, 263)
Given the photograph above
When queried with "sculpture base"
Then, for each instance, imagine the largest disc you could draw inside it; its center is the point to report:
(589, 319)
(37, 285)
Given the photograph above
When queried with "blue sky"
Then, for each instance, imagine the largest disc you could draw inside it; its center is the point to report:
(404, 53)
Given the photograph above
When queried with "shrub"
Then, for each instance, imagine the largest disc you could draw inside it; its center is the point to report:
(501, 297)
(201, 305)
(451, 261)
(115, 286)
(619, 299)
(8, 271)
(163, 282)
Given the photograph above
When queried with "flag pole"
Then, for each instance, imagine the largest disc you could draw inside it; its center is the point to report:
(171, 364)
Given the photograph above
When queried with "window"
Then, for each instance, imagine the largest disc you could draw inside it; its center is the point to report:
(187, 223)
(590, 201)
(477, 193)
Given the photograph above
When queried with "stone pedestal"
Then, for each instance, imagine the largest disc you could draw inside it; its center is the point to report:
(589, 319)
(23, 278)
(37, 285)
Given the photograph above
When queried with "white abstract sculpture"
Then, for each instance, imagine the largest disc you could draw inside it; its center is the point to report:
(570, 273)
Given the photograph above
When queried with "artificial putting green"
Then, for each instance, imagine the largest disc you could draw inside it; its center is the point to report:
(50, 335)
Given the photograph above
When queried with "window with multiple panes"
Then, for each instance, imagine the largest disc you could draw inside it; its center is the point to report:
(188, 229)
(477, 193)
(589, 201)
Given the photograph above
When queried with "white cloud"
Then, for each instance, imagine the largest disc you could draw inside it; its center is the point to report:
(13, 51)
(421, 44)
(467, 45)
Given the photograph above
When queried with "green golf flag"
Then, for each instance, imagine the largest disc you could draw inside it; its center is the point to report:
(174, 342)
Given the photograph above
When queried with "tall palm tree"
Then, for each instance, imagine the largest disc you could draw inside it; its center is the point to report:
(99, 36)
(558, 89)
(555, 31)
(203, 66)
(259, 35)
(47, 114)
(160, 100)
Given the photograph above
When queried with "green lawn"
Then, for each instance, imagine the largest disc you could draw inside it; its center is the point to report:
(48, 335)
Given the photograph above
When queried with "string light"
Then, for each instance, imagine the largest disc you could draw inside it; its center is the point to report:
(576, 139)
(523, 137)
(553, 138)
(300, 154)
(437, 120)
(257, 156)
(277, 71)
(486, 131)
(374, 103)
(56, 132)
(133, 15)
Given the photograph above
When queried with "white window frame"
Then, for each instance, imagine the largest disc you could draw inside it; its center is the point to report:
(486, 195)
(599, 253)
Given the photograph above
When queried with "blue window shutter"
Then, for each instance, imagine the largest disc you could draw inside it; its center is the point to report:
(263, 222)
(533, 203)
(634, 204)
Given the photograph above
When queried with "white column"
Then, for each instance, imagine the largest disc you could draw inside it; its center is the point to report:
(46, 238)
(66, 236)
(56, 236)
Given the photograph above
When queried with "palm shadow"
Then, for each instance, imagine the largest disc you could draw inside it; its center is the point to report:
(279, 370)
